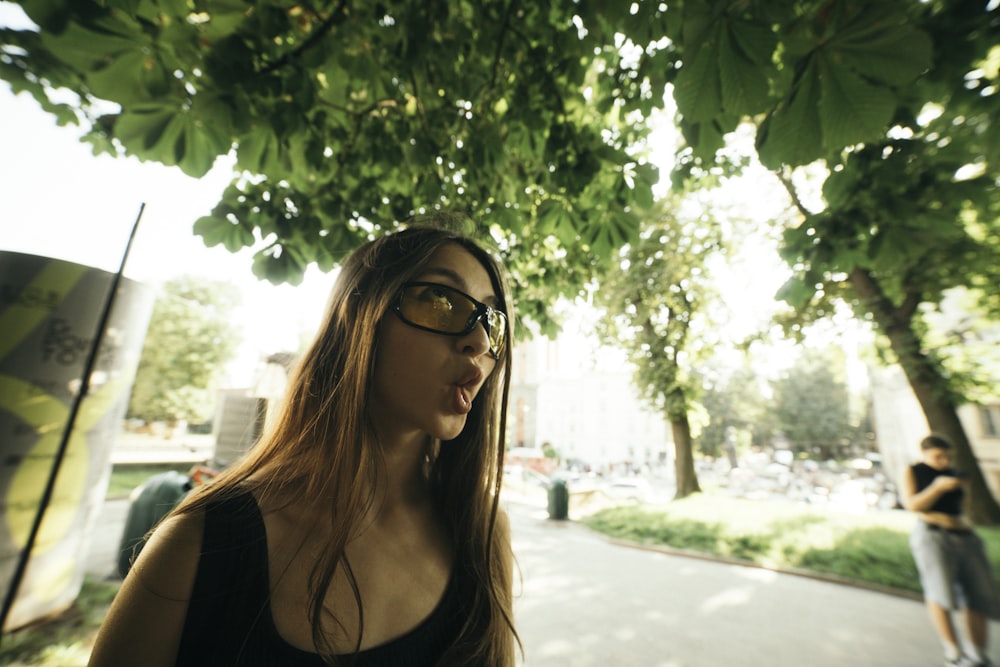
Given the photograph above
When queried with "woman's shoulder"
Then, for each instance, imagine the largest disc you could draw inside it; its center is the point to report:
(169, 561)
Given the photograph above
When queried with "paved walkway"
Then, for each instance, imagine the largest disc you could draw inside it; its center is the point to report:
(584, 601)
(587, 602)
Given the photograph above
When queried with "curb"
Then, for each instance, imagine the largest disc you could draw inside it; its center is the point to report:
(806, 574)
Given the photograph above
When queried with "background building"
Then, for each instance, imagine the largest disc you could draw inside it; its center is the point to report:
(900, 425)
(579, 398)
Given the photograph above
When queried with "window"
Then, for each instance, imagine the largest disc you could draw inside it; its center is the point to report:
(989, 419)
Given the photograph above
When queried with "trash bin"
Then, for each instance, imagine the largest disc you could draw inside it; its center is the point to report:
(558, 500)
(151, 501)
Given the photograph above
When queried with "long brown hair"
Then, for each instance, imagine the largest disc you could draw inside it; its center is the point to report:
(322, 445)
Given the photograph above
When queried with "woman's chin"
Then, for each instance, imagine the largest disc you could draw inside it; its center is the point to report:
(451, 429)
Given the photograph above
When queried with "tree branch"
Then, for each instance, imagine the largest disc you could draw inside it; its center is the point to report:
(546, 72)
(310, 42)
(503, 32)
(786, 181)
(909, 305)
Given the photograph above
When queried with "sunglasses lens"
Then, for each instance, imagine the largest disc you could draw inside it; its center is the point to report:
(436, 307)
(497, 330)
(448, 311)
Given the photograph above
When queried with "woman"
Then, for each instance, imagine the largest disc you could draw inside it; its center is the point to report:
(364, 528)
(954, 570)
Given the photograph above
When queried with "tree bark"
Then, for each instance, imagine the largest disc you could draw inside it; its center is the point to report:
(687, 479)
(931, 389)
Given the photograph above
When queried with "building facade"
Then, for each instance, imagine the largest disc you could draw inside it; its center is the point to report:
(579, 398)
(900, 425)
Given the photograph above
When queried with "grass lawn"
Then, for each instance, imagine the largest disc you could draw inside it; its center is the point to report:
(66, 640)
(124, 478)
(871, 547)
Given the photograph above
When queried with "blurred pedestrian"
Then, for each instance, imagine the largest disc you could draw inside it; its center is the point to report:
(364, 528)
(149, 503)
(954, 570)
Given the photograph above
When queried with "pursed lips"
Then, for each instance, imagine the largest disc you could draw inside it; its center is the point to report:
(471, 380)
(468, 386)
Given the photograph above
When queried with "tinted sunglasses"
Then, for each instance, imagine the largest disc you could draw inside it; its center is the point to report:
(446, 310)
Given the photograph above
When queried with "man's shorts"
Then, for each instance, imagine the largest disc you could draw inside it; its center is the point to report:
(954, 570)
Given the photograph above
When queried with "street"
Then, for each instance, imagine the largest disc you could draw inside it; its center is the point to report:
(582, 601)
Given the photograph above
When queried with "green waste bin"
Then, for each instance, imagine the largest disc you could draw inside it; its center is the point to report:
(151, 501)
(558, 500)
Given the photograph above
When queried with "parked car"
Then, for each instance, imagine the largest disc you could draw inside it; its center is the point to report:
(518, 476)
(628, 488)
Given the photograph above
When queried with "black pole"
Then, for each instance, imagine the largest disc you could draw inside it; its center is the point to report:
(88, 369)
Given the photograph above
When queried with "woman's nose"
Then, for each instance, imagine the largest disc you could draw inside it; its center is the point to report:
(476, 342)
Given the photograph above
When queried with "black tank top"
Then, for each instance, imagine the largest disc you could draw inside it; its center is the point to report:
(948, 503)
(229, 620)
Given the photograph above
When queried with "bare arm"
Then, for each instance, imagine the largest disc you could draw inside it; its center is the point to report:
(507, 554)
(146, 619)
(922, 501)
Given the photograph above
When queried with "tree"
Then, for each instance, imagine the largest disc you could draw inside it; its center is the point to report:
(908, 218)
(811, 402)
(652, 304)
(738, 412)
(899, 101)
(348, 117)
(549, 451)
(532, 115)
(189, 341)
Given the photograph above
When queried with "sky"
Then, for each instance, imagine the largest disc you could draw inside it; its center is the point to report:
(58, 200)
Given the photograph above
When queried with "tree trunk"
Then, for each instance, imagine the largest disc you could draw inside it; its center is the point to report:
(687, 480)
(931, 390)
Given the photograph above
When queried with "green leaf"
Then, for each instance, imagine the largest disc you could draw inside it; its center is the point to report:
(121, 80)
(51, 16)
(700, 19)
(148, 131)
(792, 134)
(743, 80)
(697, 87)
(276, 265)
(215, 230)
(756, 40)
(705, 139)
(229, 61)
(851, 110)
(257, 152)
(606, 234)
(225, 16)
(85, 48)
(197, 147)
(796, 292)
(882, 46)
(554, 220)
(839, 188)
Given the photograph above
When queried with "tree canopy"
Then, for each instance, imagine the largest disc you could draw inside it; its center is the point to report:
(655, 309)
(347, 117)
(189, 340)
(811, 405)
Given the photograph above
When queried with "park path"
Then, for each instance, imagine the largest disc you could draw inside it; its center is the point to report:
(584, 601)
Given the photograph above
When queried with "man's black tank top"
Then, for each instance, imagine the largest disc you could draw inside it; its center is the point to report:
(948, 503)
